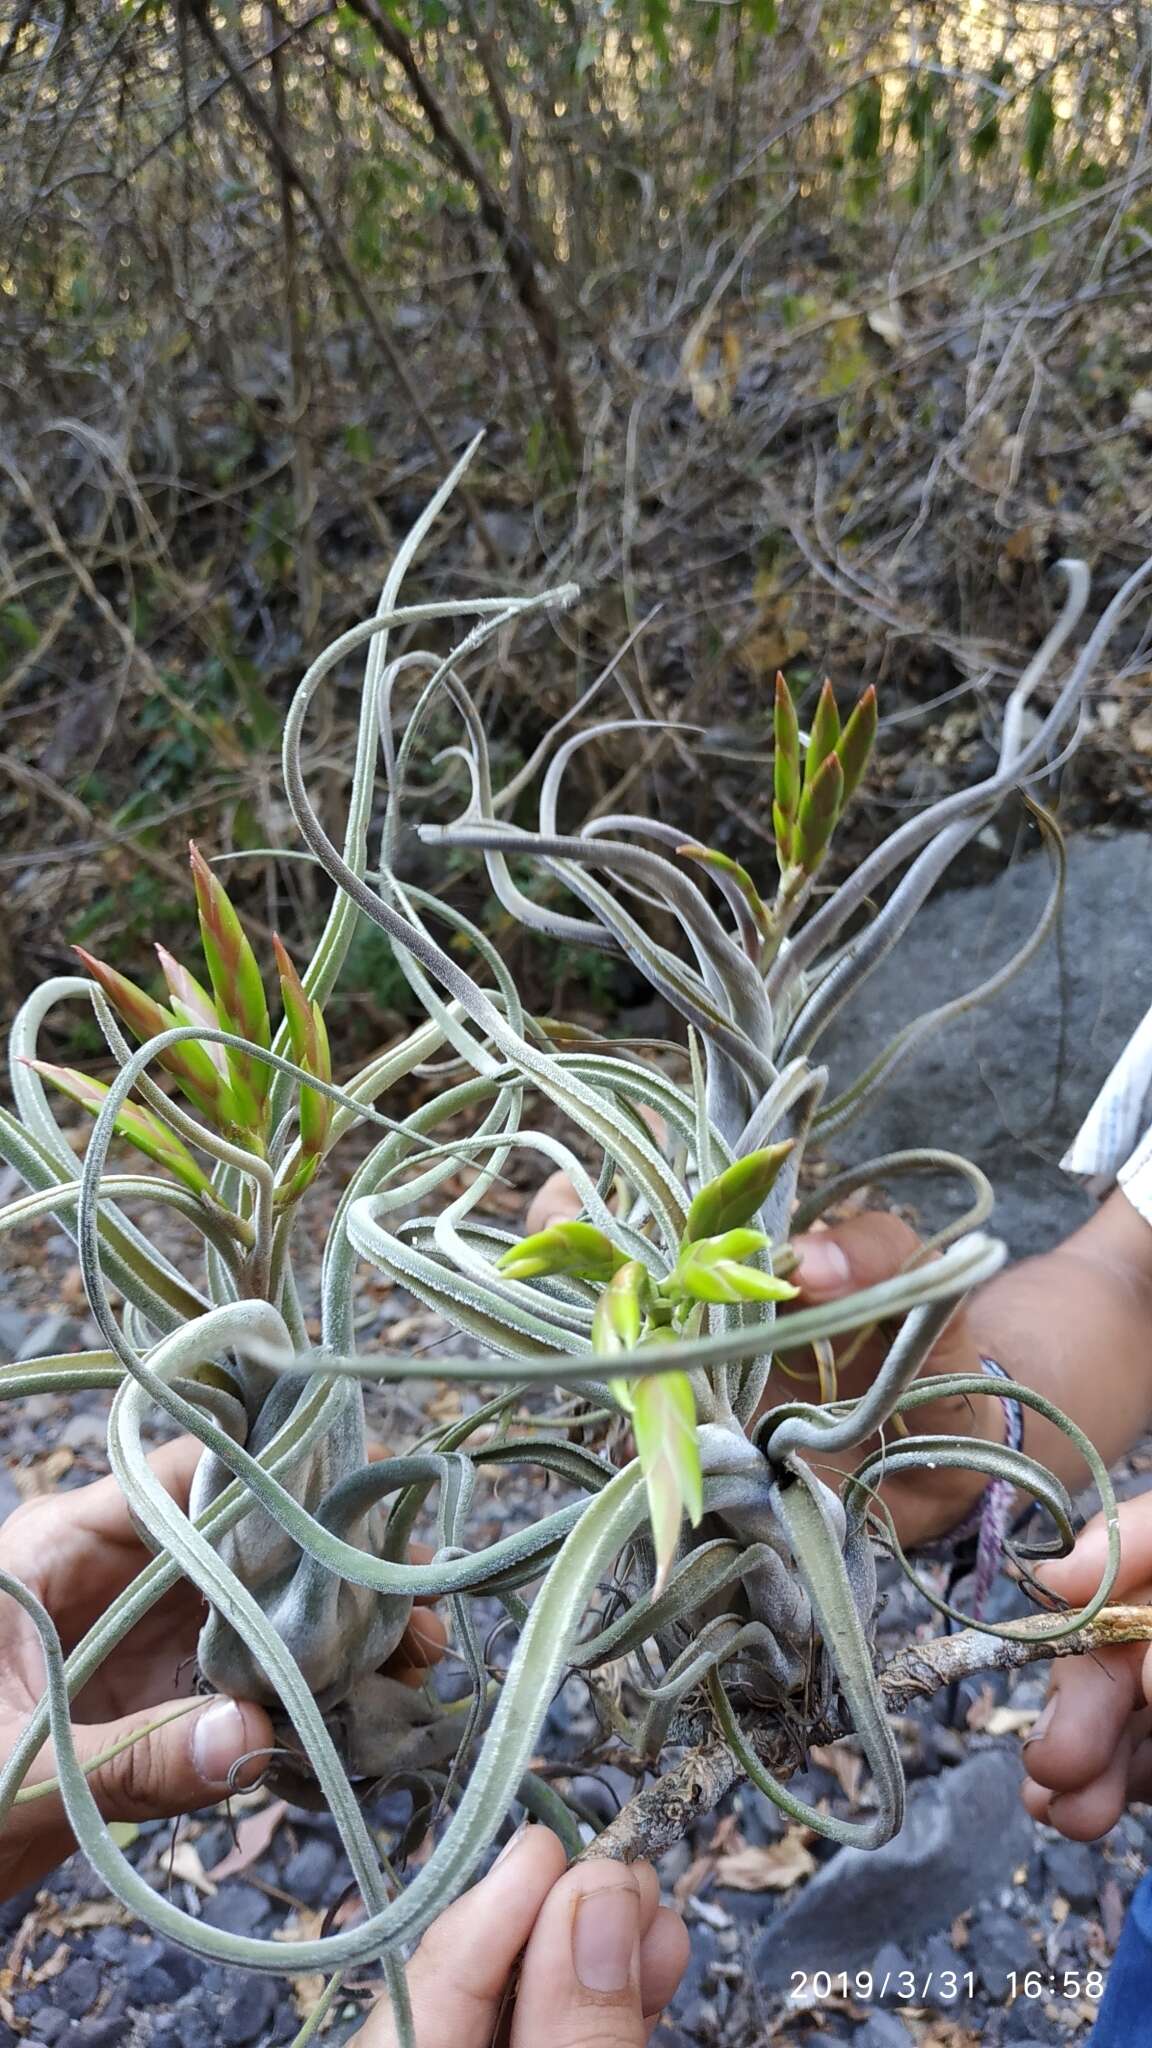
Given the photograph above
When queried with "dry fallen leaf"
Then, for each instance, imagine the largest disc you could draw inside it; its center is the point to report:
(726, 1839)
(1010, 1720)
(947, 2034)
(774, 1868)
(1140, 733)
(1021, 546)
(305, 1924)
(89, 1913)
(253, 1835)
(59, 1960)
(307, 1991)
(693, 1879)
(184, 1863)
(845, 1763)
(43, 1474)
(982, 1708)
(886, 321)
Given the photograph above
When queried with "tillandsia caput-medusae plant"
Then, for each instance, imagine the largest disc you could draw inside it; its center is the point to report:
(701, 1560)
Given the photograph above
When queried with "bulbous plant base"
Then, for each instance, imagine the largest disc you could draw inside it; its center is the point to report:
(382, 1731)
(340, 1634)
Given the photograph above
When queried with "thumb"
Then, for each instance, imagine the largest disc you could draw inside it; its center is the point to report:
(460, 1976)
(580, 1986)
(159, 1762)
(859, 1253)
(863, 1252)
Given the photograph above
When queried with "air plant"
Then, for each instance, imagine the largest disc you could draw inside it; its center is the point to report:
(743, 1584)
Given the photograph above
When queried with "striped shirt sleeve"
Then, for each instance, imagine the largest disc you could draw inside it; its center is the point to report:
(1114, 1143)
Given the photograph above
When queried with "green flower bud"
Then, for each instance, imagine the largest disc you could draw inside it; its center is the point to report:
(854, 747)
(785, 771)
(737, 1194)
(199, 1077)
(824, 732)
(237, 988)
(309, 1041)
(820, 807)
(576, 1248)
(619, 1317)
(133, 1122)
(711, 1270)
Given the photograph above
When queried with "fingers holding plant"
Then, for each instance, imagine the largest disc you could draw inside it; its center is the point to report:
(1090, 1751)
(599, 1957)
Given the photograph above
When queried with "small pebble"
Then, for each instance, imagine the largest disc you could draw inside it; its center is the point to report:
(154, 1986)
(49, 2023)
(308, 1874)
(185, 1970)
(238, 1907)
(889, 1966)
(77, 1988)
(98, 2033)
(883, 2030)
(1072, 1870)
(194, 2030)
(248, 2014)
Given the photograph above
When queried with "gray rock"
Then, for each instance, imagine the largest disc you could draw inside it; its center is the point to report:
(942, 1972)
(51, 1333)
(13, 1331)
(883, 2030)
(77, 1988)
(154, 1986)
(248, 2014)
(84, 1432)
(1002, 1949)
(888, 1966)
(238, 1907)
(308, 1874)
(1008, 1084)
(111, 1944)
(181, 1966)
(98, 2033)
(50, 2023)
(196, 2031)
(1071, 1869)
(963, 1836)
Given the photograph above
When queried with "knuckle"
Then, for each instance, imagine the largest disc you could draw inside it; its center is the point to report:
(608, 2031)
(880, 1230)
(128, 1781)
(28, 1511)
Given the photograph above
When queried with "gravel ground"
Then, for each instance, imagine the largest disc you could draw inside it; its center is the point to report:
(973, 1927)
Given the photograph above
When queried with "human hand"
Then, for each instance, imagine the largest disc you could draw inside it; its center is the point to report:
(603, 1957)
(868, 1249)
(1090, 1752)
(77, 1551)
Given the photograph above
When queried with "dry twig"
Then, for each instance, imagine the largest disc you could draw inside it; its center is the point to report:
(663, 1812)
